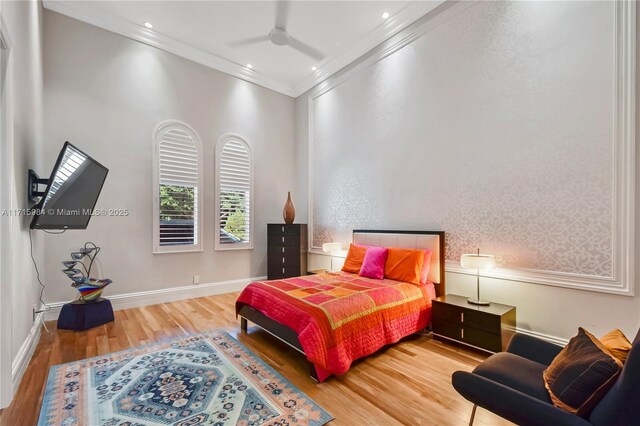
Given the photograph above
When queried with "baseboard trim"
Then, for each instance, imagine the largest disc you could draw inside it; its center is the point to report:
(154, 297)
(551, 339)
(23, 357)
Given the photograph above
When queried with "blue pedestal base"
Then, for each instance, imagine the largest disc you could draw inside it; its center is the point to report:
(83, 316)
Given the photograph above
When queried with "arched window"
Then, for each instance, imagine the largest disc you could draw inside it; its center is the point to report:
(234, 194)
(177, 176)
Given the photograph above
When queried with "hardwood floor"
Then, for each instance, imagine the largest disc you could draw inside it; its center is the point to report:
(408, 383)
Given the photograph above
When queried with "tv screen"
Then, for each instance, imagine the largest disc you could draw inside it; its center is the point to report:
(72, 191)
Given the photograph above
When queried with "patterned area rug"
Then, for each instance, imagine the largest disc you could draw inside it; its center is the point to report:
(207, 379)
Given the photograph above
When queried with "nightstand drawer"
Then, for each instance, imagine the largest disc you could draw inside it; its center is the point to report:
(468, 335)
(466, 316)
(488, 327)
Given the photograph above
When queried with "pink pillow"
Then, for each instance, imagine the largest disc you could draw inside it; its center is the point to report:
(373, 263)
(424, 277)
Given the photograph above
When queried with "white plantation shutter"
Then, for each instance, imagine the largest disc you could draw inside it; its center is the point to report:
(178, 196)
(234, 194)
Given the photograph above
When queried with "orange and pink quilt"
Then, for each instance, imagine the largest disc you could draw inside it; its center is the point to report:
(340, 317)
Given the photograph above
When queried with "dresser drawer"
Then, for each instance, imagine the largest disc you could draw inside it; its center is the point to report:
(468, 335)
(283, 240)
(280, 250)
(280, 261)
(278, 272)
(280, 230)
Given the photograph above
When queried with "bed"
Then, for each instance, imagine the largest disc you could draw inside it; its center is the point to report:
(338, 317)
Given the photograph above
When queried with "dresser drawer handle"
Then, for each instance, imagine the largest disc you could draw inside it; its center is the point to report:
(283, 239)
(462, 333)
(283, 270)
(283, 260)
(283, 229)
(283, 249)
(461, 316)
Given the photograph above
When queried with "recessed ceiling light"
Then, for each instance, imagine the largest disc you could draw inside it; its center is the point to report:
(148, 25)
(385, 15)
(250, 66)
(314, 68)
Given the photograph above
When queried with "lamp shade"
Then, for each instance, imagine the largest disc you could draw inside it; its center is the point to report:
(483, 262)
(331, 247)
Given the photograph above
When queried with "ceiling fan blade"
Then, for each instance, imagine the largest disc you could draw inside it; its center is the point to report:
(250, 40)
(282, 14)
(305, 48)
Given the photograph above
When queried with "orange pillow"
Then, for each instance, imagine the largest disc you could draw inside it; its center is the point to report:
(617, 343)
(404, 265)
(354, 259)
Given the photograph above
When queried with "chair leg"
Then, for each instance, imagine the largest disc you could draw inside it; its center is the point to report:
(243, 324)
(473, 414)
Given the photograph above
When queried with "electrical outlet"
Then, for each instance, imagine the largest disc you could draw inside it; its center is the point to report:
(196, 279)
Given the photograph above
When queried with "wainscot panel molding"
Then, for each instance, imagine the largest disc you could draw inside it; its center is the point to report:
(154, 297)
(611, 268)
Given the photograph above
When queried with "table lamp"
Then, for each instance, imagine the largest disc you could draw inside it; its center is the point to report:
(477, 261)
(331, 248)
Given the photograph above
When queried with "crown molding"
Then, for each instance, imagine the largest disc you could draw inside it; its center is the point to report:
(82, 12)
(392, 26)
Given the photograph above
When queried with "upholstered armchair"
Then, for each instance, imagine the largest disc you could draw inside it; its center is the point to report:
(510, 384)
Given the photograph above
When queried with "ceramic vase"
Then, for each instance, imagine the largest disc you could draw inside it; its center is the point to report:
(289, 212)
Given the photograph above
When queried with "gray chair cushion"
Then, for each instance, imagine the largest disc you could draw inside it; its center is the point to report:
(515, 372)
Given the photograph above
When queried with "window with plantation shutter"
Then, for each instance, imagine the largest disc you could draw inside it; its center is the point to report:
(234, 194)
(178, 188)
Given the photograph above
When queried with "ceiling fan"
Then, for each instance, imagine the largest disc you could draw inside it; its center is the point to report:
(280, 37)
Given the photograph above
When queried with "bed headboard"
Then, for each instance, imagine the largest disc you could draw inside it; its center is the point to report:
(432, 240)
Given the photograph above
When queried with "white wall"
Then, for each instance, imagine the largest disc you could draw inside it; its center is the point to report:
(106, 93)
(396, 99)
(23, 22)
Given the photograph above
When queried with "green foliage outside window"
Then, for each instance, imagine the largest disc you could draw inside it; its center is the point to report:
(176, 202)
(232, 213)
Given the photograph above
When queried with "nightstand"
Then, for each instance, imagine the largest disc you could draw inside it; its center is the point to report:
(317, 271)
(488, 328)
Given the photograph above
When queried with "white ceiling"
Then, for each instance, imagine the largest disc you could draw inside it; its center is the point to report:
(204, 31)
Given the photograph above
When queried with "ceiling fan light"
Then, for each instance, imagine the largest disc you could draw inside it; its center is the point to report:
(148, 25)
(279, 37)
(250, 66)
(385, 15)
(314, 68)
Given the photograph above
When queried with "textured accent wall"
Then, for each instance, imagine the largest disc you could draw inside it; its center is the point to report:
(497, 125)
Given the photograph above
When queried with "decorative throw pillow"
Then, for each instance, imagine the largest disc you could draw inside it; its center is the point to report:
(581, 374)
(373, 263)
(404, 265)
(354, 259)
(617, 343)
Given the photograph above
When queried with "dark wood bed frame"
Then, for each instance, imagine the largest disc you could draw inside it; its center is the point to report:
(289, 337)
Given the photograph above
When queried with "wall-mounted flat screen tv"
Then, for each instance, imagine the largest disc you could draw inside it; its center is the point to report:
(72, 191)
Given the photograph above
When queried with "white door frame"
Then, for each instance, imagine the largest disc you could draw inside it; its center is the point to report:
(6, 188)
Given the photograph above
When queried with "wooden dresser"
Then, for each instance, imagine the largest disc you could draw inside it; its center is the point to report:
(485, 327)
(286, 250)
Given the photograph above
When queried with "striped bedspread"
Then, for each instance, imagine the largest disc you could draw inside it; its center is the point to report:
(340, 317)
